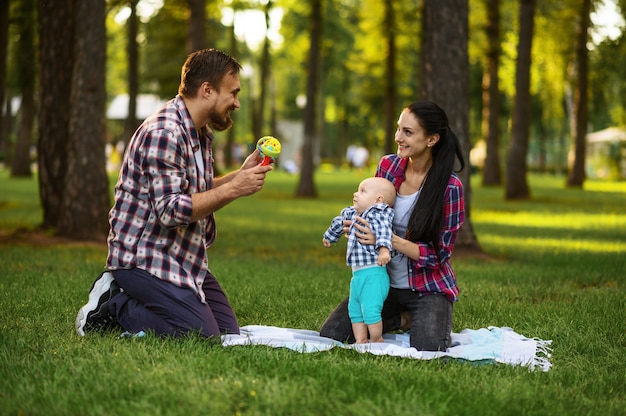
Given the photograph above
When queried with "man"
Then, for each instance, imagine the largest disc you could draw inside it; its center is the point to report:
(157, 276)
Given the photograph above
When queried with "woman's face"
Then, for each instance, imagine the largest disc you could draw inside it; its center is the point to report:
(410, 136)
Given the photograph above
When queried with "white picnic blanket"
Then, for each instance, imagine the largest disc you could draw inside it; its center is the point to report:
(499, 345)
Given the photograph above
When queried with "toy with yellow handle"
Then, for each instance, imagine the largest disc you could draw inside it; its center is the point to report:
(269, 147)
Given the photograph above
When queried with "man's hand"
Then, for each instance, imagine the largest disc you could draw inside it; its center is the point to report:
(249, 180)
(252, 160)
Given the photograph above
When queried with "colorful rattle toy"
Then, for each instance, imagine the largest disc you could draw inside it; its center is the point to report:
(270, 149)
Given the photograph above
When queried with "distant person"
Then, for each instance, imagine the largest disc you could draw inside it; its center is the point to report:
(360, 157)
(429, 211)
(370, 283)
(157, 274)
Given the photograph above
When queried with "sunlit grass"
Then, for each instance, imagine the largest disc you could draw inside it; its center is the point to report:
(552, 245)
(555, 270)
(574, 220)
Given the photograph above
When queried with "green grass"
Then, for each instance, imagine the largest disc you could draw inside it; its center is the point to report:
(557, 271)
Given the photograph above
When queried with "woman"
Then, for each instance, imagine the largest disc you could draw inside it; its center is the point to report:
(429, 211)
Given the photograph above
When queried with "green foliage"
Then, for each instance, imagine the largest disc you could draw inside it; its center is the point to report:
(555, 271)
(607, 85)
(165, 50)
(117, 65)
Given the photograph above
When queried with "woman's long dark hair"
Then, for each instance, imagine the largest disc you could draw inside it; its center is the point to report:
(427, 218)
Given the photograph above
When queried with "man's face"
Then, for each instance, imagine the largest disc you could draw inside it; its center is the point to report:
(224, 102)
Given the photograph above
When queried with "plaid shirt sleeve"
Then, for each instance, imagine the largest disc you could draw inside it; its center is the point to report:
(381, 223)
(165, 169)
(335, 230)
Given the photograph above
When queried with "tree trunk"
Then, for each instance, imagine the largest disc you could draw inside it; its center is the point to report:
(56, 32)
(86, 200)
(576, 175)
(445, 69)
(4, 42)
(306, 186)
(130, 124)
(491, 97)
(196, 25)
(391, 112)
(516, 184)
(26, 21)
(231, 134)
(264, 79)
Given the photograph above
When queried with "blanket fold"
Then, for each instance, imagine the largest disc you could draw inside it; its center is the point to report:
(493, 344)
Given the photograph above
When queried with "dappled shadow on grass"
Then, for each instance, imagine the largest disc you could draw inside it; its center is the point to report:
(39, 237)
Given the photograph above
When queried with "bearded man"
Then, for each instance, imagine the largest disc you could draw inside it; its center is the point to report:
(157, 276)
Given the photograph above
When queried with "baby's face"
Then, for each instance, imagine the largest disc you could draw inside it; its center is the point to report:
(365, 196)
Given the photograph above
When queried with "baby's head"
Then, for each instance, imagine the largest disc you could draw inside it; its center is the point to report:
(373, 191)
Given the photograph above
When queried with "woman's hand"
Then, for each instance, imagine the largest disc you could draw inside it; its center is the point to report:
(363, 231)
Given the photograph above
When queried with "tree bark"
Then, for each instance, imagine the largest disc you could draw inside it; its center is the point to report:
(306, 186)
(130, 124)
(261, 119)
(445, 69)
(86, 200)
(4, 42)
(516, 184)
(20, 166)
(391, 112)
(56, 32)
(576, 175)
(491, 97)
(230, 136)
(196, 25)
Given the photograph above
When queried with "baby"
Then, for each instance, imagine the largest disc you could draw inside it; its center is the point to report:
(369, 285)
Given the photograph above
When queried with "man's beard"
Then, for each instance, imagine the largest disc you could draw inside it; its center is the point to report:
(219, 122)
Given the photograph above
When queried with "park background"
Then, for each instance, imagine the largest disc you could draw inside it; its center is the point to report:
(535, 91)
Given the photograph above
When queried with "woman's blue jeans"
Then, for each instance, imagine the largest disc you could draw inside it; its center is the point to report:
(431, 319)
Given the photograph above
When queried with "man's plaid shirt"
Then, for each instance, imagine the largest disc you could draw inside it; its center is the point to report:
(380, 219)
(431, 274)
(151, 226)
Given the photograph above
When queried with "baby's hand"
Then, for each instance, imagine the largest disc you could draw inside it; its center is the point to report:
(326, 242)
(384, 256)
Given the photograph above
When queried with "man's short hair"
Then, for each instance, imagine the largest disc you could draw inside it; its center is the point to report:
(206, 65)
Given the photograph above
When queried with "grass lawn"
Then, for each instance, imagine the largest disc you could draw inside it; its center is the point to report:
(556, 270)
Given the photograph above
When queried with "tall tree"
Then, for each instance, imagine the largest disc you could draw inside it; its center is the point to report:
(56, 32)
(576, 174)
(445, 69)
(86, 199)
(132, 26)
(516, 183)
(389, 23)
(306, 185)
(4, 41)
(259, 122)
(25, 50)
(491, 96)
(196, 26)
